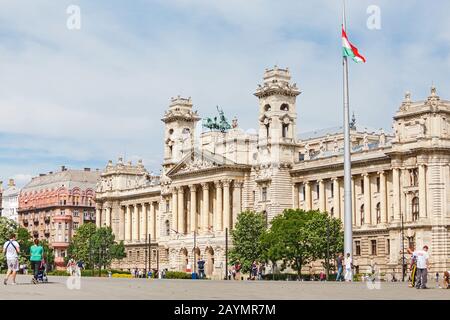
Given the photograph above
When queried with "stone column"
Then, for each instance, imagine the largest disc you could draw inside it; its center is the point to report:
(143, 217)
(355, 212)
(98, 217)
(336, 198)
(226, 204)
(367, 199)
(307, 195)
(422, 192)
(205, 209)
(135, 229)
(122, 223)
(237, 198)
(218, 214)
(181, 210)
(193, 210)
(174, 209)
(295, 198)
(108, 216)
(128, 224)
(396, 193)
(152, 221)
(383, 197)
(322, 196)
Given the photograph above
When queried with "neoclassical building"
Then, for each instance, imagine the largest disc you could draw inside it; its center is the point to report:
(400, 182)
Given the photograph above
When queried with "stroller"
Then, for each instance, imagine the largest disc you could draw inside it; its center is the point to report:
(42, 272)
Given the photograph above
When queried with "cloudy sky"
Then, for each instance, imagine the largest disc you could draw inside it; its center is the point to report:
(81, 97)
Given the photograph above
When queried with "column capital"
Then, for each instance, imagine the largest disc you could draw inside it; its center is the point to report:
(174, 190)
(193, 187)
(365, 174)
(306, 183)
(319, 180)
(135, 205)
(238, 184)
(180, 189)
(381, 172)
(218, 184)
(335, 179)
(227, 183)
(205, 185)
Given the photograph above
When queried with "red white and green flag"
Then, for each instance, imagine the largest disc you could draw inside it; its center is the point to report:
(349, 50)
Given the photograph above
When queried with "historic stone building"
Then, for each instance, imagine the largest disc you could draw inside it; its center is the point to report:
(206, 182)
(52, 206)
(10, 201)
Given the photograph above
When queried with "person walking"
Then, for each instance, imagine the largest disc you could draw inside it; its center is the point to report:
(237, 268)
(339, 263)
(348, 268)
(36, 255)
(201, 268)
(254, 271)
(423, 264)
(11, 249)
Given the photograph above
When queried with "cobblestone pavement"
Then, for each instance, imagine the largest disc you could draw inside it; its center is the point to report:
(112, 288)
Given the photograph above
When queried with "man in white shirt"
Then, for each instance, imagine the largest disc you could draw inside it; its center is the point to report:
(11, 249)
(422, 257)
(348, 268)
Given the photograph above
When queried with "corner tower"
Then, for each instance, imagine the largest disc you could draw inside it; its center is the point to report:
(277, 115)
(180, 121)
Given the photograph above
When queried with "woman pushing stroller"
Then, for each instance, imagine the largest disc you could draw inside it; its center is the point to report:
(36, 256)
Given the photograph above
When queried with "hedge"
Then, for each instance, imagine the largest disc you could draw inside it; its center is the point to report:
(177, 275)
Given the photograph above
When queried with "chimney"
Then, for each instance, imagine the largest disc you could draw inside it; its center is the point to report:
(87, 169)
(11, 183)
(63, 168)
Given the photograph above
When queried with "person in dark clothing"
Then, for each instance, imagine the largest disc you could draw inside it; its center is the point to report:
(201, 268)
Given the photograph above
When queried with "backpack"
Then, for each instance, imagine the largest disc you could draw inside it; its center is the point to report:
(10, 243)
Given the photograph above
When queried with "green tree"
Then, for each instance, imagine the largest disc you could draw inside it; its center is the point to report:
(246, 237)
(328, 238)
(290, 239)
(79, 248)
(7, 226)
(104, 249)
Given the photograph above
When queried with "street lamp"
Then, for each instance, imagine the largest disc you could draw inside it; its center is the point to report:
(403, 247)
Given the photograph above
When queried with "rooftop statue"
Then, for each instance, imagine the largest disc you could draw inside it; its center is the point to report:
(220, 124)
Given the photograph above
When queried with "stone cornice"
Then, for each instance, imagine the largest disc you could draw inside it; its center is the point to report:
(236, 168)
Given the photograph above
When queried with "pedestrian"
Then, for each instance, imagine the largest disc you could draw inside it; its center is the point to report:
(446, 280)
(36, 255)
(254, 271)
(437, 280)
(237, 268)
(413, 269)
(201, 268)
(261, 269)
(339, 262)
(348, 268)
(423, 263)
(11, 249)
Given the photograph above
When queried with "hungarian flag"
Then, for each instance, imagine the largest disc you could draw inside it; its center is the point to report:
(349, 50)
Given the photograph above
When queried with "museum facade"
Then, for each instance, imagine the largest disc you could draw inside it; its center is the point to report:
(400, 183)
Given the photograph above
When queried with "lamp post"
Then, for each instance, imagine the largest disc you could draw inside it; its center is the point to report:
(403, 247)
(149, 254)
(145, 268)
(195, 252)
(328, 249)
(226, 253)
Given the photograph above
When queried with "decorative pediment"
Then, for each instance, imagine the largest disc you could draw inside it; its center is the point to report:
(198, 160)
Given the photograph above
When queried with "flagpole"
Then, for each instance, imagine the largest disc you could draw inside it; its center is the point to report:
(348, 235)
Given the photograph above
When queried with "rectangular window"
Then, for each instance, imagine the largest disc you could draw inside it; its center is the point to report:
(59, 226)
(301, 157)
(362, 186)
(317, 190)
(264, 194)
(388, 246)
(378, 184)
(304, 193)
(373, 244)
(357, 248)
(75, 213)
(332, 189)
(75, 225)
(62, 212)
(67, 225)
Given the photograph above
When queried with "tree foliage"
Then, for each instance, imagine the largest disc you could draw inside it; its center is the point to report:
(79, 248)
(298, 237)
(246, 237)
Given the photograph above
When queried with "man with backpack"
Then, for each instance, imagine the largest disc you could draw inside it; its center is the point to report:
(11, 249)
(201, 268)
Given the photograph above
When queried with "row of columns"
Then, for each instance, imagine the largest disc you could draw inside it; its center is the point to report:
(193, 214)
(136, 221)
(369, 215)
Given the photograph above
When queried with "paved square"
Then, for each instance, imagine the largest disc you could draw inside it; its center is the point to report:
(112, 288)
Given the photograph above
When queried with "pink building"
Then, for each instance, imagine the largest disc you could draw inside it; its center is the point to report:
(52, 206)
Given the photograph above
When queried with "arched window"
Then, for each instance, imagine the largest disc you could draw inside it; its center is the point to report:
(284, 107)
(378, 212)
(285, 130)
(267, 108)
(361, 212)
(415, 208)
(170, 131)
(167, 224)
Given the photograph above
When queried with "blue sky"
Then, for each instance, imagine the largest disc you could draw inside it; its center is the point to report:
(81, 97)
